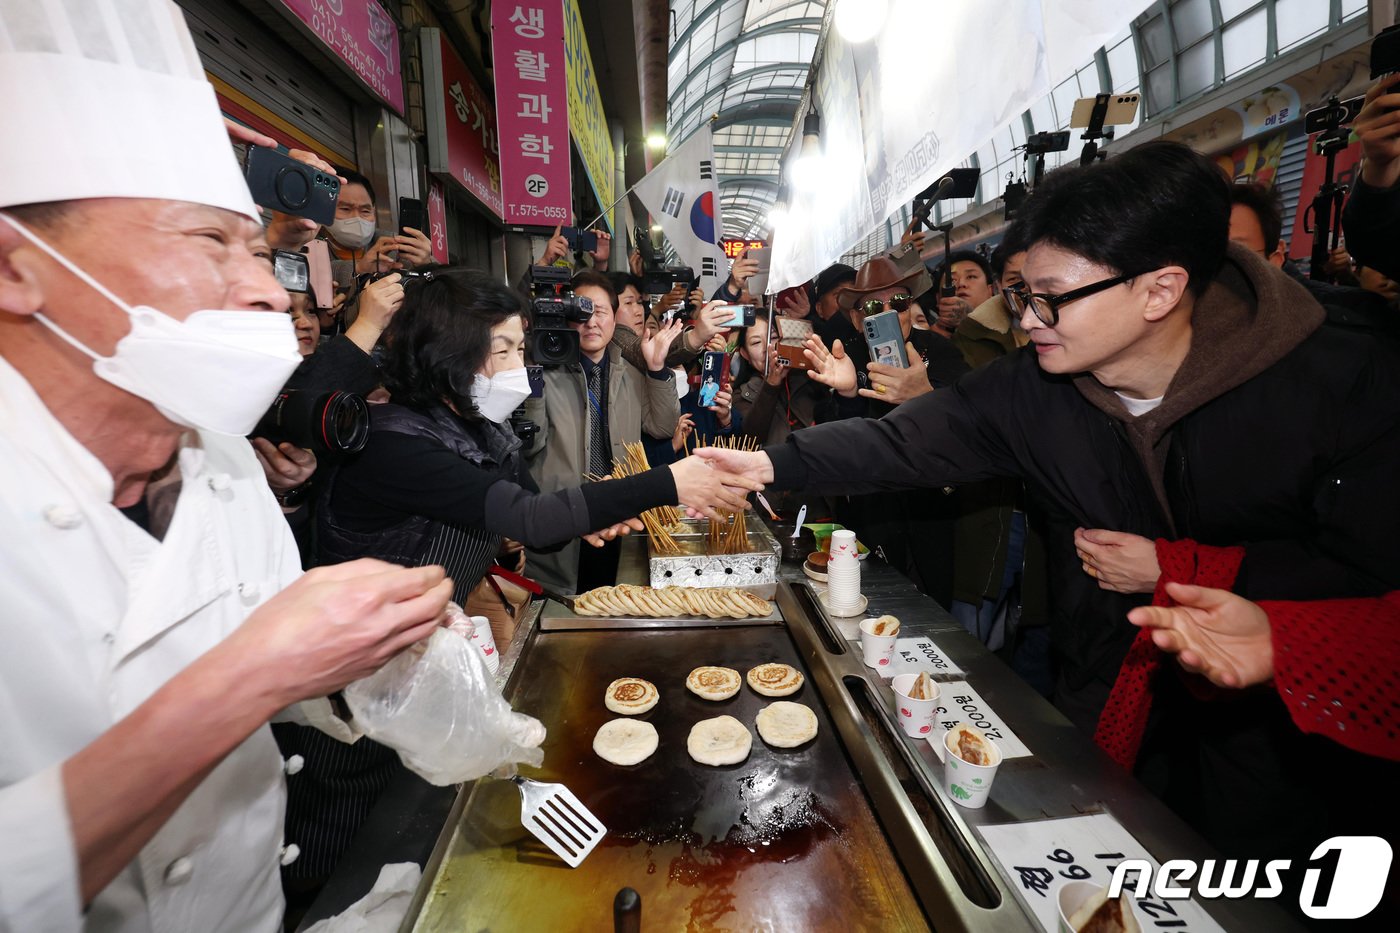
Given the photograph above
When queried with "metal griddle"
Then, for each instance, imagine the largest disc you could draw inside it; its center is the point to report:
(784, 840)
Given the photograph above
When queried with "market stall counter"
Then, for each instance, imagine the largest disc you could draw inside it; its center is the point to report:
(857, 828)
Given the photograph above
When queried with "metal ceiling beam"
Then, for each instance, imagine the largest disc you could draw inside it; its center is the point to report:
(696, 22)
(792, 25)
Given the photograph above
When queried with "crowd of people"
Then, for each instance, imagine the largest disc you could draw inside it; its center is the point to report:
(1132, 449)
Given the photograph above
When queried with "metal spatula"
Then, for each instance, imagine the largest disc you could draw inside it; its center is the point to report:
(558, 819)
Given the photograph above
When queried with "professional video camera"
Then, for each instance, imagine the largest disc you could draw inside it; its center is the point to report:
(658, 278)
(329, 424)
(552, 307)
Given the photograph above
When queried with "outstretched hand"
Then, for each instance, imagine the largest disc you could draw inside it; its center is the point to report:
(831, 368)
(1215, 633)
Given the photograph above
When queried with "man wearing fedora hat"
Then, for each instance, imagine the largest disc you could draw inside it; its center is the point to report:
(884, 284)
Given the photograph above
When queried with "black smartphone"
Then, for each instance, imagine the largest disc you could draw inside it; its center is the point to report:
(536, 376)
(580, 241)
(1385, 52)
(281, 183)
(412, 213)
(293, 270)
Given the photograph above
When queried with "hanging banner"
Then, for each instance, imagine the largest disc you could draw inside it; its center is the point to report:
(437, 220)
(461, 122)
(587, 122)
(682, 195)
(527, 45)
(361, 35)
(887, 133)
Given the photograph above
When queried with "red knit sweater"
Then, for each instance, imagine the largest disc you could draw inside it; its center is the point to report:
(1335, 661)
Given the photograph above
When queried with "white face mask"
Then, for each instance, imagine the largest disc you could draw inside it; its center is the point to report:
(215, 371)
(352, 232)
(682, 382)
(495, 398)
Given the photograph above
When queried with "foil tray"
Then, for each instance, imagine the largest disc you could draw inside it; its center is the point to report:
(755, 566)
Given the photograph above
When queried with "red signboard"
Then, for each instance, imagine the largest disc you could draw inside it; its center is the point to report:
(734, 248)
(527, 45)
(362, 36)
(461, 123)
(437, 220)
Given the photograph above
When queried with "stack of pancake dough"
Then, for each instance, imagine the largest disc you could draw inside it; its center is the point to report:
(720, 602)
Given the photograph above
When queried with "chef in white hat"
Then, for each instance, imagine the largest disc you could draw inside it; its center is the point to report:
(153, 616)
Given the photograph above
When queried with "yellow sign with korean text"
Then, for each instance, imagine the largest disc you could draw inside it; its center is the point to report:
(587, 123)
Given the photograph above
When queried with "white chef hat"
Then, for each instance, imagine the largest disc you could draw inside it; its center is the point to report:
(107, 98)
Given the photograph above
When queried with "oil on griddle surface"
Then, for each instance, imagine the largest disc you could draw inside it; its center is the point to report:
(782, 841)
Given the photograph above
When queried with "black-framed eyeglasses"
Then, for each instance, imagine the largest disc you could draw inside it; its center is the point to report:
(1046, 307)
(894, 303)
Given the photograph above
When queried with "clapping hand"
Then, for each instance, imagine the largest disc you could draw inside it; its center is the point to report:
(1212, 632)
(1121, 562)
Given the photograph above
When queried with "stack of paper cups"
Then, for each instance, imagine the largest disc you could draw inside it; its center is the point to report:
(843, 574)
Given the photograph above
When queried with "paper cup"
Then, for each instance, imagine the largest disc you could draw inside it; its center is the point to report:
(878, 650)
(485, 642)
(1073, 895)
(916, 717)
(842, 586)
(843, 543)
(968, 784)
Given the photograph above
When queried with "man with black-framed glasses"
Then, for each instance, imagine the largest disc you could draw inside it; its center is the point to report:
(1182, 415)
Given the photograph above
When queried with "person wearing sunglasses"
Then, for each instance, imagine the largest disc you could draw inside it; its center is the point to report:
(881, 285)
(1182, 415)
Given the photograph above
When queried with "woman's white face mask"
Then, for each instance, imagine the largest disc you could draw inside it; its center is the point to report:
(215, 370)
(495, 397)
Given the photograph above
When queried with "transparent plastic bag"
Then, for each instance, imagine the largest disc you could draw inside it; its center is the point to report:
(437, 705)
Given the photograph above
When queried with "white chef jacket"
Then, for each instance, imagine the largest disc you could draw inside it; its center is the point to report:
(95, 615)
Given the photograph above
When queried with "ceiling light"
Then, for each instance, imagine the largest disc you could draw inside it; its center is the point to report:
(807, 168)
(860, 20)
(656, 141)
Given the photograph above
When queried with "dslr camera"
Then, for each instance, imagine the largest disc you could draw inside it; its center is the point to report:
(329, 424)
(552, 308)
(658, 278)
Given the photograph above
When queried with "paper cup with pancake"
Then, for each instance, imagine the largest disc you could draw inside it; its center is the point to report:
(970, 762)
(630, 696)
(714, 683)
(916, 702)
(1085, 908)
(878, 650)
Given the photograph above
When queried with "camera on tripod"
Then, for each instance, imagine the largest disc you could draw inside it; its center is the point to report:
(552, 308)
(658, 278)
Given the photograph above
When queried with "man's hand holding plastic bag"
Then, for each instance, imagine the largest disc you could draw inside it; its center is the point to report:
(437, 705)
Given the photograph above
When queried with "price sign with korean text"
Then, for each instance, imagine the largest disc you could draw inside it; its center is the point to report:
(532, 111)
(958, 702)
(461, 123)
(912, 655)
(1040, 856)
